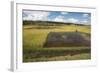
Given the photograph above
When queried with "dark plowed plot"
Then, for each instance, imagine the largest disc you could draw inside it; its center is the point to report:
(66, 39)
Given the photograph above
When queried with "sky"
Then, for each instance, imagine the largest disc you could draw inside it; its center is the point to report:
(57, 16)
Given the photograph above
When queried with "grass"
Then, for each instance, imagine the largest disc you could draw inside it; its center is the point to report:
(45, 54)
(34, 37)
(60, 58)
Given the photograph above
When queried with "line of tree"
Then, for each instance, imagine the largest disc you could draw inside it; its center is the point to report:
(47, 23)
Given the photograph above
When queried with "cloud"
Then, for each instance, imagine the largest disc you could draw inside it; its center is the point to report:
(68, 20)
(72, 20)
(85, 15)
(63, 13)
(44, 16)
(86, 22)
(59, 19)
(35, 15)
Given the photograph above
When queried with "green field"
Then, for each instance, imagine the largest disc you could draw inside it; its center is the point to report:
(34, 37)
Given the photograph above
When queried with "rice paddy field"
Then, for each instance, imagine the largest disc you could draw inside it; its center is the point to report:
(35, 37)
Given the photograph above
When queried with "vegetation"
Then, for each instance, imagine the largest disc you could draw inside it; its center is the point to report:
(35, 34)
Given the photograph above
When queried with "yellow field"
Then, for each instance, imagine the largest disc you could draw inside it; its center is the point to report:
(34, 38)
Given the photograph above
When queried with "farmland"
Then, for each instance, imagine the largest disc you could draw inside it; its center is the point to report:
(35, 36)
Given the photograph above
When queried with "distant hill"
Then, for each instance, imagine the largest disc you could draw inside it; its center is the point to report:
(47, 23)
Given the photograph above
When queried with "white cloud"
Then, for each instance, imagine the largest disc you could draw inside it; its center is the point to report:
(64, 13)
(59, 19)
(72, 20)
(68, 20)
(85, 21)
(36, 15)
(85, 15)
